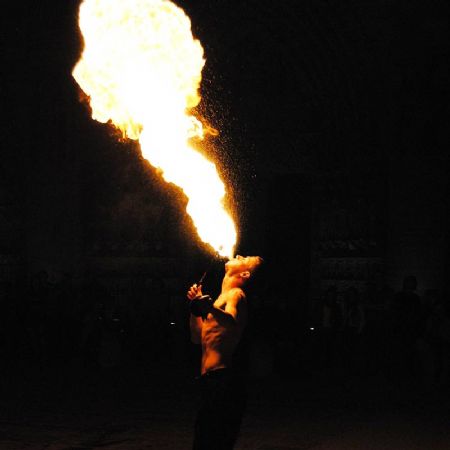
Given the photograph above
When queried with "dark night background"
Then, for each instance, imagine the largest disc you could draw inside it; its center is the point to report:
(333, 120)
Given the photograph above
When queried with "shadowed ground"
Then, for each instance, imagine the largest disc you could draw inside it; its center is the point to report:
(149, 408)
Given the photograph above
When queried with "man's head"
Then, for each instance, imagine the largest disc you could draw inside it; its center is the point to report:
(243, 268)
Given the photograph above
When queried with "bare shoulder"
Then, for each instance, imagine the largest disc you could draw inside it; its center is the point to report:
(231, 299)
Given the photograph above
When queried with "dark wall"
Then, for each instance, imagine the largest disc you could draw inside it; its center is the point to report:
(288, 222)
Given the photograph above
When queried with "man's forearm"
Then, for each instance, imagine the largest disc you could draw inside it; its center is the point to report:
(205, 306)
(222, 316)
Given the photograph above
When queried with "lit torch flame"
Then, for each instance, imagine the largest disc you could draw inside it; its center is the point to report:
(141, 69)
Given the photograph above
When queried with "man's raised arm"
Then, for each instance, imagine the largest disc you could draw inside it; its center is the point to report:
(235, 312)
(195, 323)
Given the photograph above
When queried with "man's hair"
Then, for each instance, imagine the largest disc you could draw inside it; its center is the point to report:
(256, 263)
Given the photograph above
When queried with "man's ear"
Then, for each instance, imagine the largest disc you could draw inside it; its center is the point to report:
(245, 274)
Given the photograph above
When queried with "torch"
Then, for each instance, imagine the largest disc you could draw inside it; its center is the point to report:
(202, 278)
(196, 305)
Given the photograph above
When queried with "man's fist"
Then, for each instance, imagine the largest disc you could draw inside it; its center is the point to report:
(194, 292)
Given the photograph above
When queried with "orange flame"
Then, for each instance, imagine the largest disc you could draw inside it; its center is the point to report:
(141, 69)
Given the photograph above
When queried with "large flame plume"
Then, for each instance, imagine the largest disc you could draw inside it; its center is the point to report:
(141, 69)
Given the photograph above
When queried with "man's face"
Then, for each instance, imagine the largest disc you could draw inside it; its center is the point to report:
(240, 264)
(238, 260)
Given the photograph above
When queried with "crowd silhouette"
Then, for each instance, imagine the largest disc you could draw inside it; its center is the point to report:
(94, 323)
(402, 336)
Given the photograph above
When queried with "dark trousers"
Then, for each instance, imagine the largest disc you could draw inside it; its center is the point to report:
(223, 401)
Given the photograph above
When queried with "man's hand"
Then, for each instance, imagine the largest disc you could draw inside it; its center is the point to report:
(200, 304)
(194, 292)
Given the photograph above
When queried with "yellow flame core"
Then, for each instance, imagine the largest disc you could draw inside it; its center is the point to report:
(141, 69)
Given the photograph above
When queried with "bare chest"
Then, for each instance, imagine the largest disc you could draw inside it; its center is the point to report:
(210, 321)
